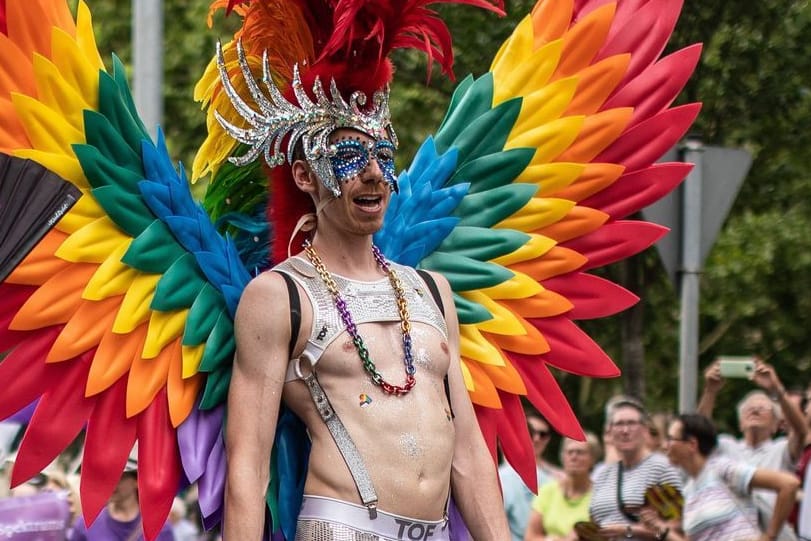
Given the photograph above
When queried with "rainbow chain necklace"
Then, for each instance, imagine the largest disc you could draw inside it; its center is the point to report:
(351, 328)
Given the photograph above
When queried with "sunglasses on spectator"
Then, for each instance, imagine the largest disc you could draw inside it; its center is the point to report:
(541, 433)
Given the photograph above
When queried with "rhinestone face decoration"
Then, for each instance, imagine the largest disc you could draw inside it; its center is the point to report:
(350, 157)
(311, 122)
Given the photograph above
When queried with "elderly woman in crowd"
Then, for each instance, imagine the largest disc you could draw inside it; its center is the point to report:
(563, 502)
(619, 489)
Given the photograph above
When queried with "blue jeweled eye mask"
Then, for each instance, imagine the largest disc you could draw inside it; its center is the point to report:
(349, 157)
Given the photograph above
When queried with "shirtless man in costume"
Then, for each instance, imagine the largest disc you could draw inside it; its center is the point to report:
(416, 446)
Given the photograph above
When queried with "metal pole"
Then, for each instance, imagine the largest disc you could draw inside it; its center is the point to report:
(147, 38)
(690, 275)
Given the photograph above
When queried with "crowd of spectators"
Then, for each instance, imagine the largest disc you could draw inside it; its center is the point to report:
(717, 486)
(50, 501)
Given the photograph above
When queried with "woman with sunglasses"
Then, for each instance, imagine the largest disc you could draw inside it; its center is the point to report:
(517, 497)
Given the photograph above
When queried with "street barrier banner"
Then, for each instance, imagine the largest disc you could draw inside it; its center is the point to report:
(42, 517)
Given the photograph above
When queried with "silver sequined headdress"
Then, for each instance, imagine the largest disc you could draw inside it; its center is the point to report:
(310, 122)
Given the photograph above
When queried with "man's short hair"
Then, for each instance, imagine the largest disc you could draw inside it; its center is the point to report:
(700, 427)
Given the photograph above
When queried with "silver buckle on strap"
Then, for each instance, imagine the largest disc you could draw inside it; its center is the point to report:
(372, 506)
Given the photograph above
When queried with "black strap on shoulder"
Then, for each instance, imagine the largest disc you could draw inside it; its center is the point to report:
(431, 283)
(295, 310)
(624, 509)
(432, 287)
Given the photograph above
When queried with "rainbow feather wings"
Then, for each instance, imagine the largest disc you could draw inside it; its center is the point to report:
(524, 188)
(120, 319)
(118, 311)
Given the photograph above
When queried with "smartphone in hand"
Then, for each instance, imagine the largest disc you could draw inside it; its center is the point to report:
(737, 366)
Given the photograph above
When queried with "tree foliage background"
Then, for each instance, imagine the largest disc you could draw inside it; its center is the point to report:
(755, 85)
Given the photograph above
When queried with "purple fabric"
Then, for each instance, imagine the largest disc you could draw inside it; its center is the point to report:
(211, 486)
(202, 452)
(24, 415)
(42, 517)
(197, 437)
(457, 529)
(105, 528)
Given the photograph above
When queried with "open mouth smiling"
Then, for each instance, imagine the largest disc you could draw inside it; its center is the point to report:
(368, 201)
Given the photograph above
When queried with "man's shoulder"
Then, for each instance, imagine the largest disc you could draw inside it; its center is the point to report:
(724, 464)
(270, 278)
(659, 458)
(265, 288)
(417, 274)
(547, 490)
(772, 453)
(729, 444)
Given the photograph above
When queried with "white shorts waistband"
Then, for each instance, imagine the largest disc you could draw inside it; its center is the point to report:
(387, 525)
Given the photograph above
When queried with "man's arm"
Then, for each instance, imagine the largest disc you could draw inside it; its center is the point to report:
(766, 377)
(786, 485)
(262, 330)
(712, 384)
(474, 483)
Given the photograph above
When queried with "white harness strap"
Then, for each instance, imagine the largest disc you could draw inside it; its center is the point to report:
(354, 462)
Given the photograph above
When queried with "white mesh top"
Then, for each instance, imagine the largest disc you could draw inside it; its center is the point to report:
(367, 302)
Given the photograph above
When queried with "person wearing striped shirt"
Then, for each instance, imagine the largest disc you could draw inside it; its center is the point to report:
(619, 489)
(717, 496)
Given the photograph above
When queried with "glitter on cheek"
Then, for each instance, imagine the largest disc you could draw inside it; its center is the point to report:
(410, 447)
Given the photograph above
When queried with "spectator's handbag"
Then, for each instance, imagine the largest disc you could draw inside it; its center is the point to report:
(588, 531)
(666, 499)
